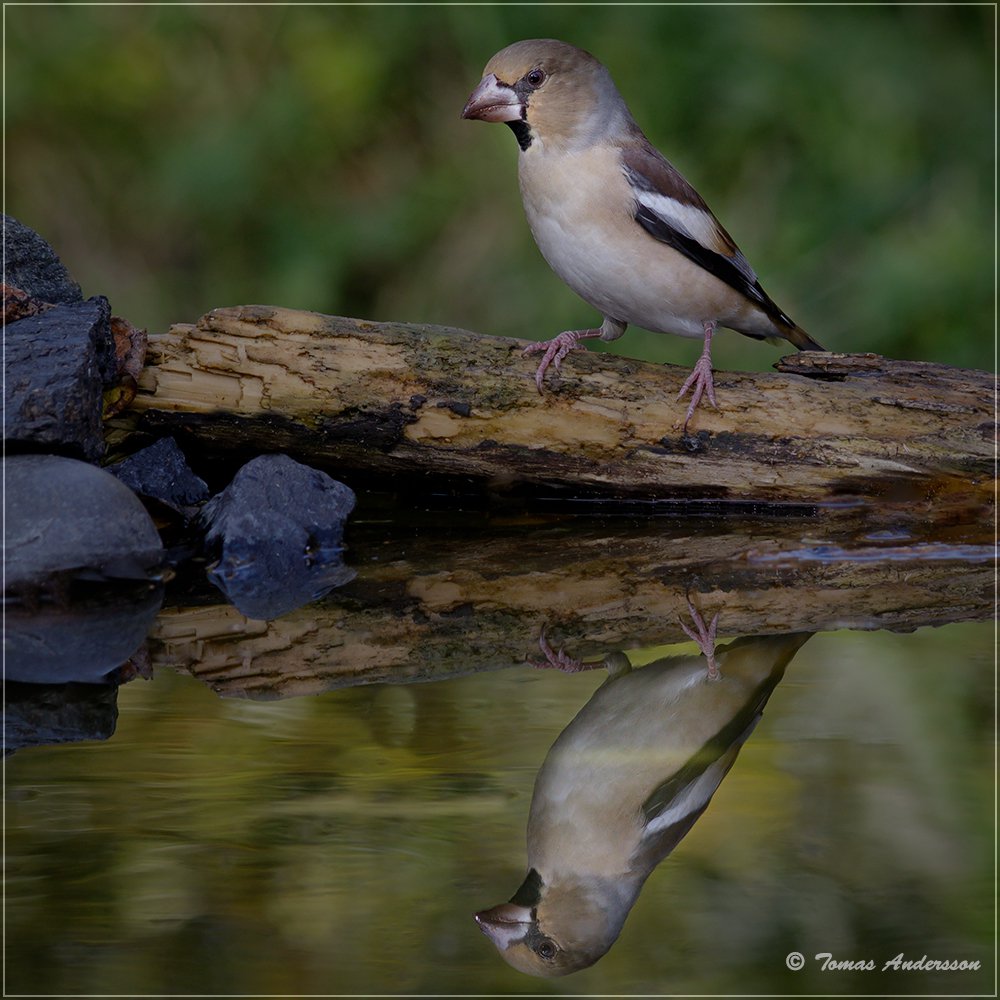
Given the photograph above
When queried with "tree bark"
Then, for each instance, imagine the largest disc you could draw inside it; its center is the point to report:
(392, 398)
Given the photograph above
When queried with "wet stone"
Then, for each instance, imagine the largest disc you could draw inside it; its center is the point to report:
(277, 533)
(41, 714)
(31, 265)
(86, 642)
(160, 472)
(55, 365)
(67, 520)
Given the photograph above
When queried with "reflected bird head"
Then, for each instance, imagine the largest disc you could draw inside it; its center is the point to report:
(553, 930)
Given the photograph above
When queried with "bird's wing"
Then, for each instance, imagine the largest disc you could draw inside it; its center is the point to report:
(672, 808)
(672, 212)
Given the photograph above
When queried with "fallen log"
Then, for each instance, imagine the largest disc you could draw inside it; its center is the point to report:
(430, 606)
(392, 398)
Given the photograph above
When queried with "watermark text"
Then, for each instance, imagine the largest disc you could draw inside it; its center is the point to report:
(828, 962)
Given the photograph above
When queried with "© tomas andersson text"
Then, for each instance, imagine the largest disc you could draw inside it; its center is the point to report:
(898, 964)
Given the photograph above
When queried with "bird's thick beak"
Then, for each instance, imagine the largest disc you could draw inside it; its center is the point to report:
(493, 101)
(504, 924)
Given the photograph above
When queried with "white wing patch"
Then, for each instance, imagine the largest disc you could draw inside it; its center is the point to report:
(688, 219)
(693, 798)
(696, 223)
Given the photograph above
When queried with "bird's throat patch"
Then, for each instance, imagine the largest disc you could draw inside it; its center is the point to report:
(522, 132)
(530, 891)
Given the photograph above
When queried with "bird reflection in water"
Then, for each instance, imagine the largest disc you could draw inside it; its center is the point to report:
(622, 785)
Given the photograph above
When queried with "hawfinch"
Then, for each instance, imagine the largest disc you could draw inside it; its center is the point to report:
(623, 783)
(613, 218)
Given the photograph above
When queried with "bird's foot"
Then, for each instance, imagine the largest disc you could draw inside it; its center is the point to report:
(700, 380)
(704, 636)
(558, 660)
(556, 349)
(701, 383)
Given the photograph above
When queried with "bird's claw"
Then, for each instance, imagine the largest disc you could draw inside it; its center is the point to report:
(557, 660)
(704, 636)
(701, 382)
(555, 350)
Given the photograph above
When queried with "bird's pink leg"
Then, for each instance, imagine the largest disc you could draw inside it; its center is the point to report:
(701, 377)
(559, 660)
(556, 349)
(705, 637)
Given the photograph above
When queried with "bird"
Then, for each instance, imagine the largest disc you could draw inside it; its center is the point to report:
(621, 786)
(614, 219)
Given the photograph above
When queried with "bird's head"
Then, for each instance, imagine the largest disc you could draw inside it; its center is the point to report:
(548, 90)
(553, 930)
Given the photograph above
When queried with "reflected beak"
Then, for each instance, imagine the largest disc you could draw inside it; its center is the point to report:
(504, 924)
(493, 101)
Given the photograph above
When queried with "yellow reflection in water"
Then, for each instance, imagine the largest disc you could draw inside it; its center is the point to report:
(341, 843)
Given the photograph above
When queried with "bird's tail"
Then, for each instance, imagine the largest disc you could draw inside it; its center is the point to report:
(797, 336)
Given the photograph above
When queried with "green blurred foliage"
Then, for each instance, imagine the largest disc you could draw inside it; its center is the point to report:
(182, 158)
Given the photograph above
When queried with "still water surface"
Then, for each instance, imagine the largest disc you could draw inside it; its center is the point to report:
(341, 843)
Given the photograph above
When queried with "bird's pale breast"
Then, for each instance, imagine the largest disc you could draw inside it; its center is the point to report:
(580, 210)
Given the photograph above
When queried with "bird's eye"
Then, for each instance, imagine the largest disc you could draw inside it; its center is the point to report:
(535, 78)
(547, 949)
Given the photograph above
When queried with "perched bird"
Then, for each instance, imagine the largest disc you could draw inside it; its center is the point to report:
(613, 218)
(623, 783)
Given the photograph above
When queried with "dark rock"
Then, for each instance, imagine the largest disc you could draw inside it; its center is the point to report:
(84, 643)
(69, 520)
(31, 265)
(160, 472)
(39, 714)
(277, 531)
(53, 371)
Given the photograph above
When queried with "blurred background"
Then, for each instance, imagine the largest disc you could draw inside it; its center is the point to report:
(181, 158)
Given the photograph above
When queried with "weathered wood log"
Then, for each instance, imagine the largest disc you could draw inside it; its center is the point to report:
(390, 398)
(431, 606)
